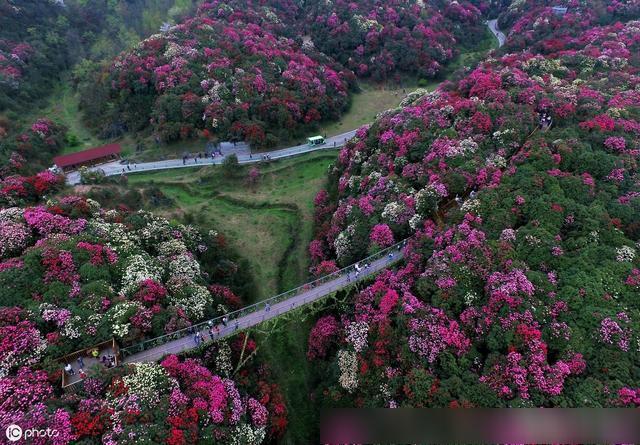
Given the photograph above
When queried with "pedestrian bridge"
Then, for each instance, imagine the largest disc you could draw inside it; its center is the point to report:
(183, 340)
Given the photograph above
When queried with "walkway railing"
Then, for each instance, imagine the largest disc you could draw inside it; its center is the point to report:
(255, 307)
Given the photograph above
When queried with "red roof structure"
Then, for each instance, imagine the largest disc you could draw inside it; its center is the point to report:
(90, 156)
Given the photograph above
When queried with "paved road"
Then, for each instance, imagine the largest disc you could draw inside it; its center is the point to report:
(255, 318)
(493, 26)
(241, 150)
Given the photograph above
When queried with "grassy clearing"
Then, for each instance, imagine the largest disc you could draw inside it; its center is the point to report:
(476, 52)
(63, 109)
(366, 104)
(264, 222)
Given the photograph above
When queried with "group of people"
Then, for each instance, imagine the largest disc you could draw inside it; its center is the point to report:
(545, 120)
(200, 337)
(200, 155)
(108, 361)
(358, 269)
(129, 168)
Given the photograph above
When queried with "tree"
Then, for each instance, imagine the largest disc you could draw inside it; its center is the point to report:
(230, 165)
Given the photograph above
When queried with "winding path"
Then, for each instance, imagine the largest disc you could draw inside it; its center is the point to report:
(493, 26)
(181, 341)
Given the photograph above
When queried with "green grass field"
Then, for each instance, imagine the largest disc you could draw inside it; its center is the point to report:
(372, 99)
(264, 223)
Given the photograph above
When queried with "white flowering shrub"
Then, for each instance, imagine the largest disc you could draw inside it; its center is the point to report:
(625, 254)
(147, 381)
(139, 268)
(348, 364)
(356, 334)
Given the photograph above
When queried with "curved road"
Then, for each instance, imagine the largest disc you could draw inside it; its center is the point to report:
(493, 26)
(241, 150)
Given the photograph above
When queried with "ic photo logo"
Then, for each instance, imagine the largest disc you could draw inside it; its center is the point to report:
(14, 433)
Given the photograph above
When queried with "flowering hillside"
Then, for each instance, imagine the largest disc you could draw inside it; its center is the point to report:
(74, 275)
(232, 78)
(521, 278)
(377, 38)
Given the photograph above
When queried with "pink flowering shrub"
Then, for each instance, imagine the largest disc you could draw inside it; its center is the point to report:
(381, 235)
(321, 336)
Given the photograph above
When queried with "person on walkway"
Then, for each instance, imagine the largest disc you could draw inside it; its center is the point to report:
(212, 332)
(82, 374)
(81, 362)
(225, 320)
(69, 369)
(184, 160)
(267, 307)
(390, 255)
(237, 325)
(128, 167)
(196, 339)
